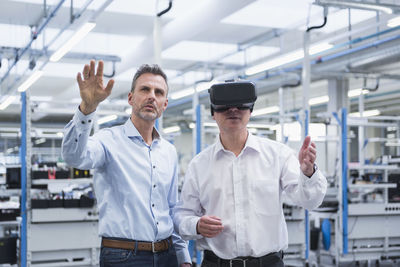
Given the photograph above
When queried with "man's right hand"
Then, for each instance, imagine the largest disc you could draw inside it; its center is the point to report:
(209, 226)
(91, 87)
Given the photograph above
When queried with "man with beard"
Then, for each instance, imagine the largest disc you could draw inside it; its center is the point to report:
(136, 171)
(231, 200)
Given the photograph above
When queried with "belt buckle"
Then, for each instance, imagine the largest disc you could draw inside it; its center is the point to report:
(241, 260)
(152, 247)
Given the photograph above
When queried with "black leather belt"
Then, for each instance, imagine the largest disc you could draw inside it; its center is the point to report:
(266, 260)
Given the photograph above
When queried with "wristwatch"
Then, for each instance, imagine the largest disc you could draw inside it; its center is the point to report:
(315, 169)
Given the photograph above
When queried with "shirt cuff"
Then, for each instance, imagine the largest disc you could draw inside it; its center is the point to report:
(314, 178)
(82, 121)
(183, 256)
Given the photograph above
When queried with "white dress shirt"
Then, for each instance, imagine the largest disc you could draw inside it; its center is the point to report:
(135, 183)
(246, 193)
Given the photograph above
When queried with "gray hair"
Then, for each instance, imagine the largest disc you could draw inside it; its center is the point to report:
(146, 68)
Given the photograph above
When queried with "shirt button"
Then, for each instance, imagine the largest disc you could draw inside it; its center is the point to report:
(154, 186)
(154, 166)
(76, 140)
(89, 121)
(157, 223)
(83, 122)
(152, 205)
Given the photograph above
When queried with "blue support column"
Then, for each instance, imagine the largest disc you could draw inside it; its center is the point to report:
(23, 159)
(198, 129)
(344, 179)
(198, 150)
(156, 125)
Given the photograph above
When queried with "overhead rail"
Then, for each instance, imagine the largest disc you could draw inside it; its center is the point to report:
(33, 38)
(387, 8)
(76, 16)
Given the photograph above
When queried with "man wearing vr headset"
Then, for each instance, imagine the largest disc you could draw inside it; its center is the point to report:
(231, 200)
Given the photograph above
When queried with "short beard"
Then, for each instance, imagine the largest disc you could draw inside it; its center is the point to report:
(147, 116)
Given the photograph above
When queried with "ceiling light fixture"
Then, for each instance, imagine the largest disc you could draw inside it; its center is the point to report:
(357, 92)
(31, 80)
(287, 58)
(263, 111)
(394, 22)
(76, 38)
(318, 100)
(366, 113)
(8, 100)
(171, 129)
(105, 119)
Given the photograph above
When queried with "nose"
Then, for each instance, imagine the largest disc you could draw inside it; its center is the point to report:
(152, 95)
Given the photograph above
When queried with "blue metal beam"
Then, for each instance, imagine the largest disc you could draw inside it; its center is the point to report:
(344, 179)
(23, 183)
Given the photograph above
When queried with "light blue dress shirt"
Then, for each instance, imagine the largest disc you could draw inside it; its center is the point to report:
(135, 183)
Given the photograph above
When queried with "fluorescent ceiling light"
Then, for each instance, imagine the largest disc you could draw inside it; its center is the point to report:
(394, 22)
(41, 98)
(210, 124)
(78, 36)
(8, 100)
(266, 110)
(366, 113)
(60, 134)
(318, 100)
(356, 92)
(250, 55)
(192, 125)
(261, 126)
(31, 80)
(171, 129)
(318, 48)
(189, 91)
(182, 93)
(198, 51)
(286, 58)
(106, 119)
(190, 77)
(40, 141)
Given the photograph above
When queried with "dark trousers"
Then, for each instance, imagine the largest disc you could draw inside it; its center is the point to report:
(116, 257)
(271, 260)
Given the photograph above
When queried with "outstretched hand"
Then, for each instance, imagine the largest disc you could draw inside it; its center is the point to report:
(307, 156)
(91, 87)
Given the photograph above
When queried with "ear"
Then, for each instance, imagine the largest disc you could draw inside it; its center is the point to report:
(165, 104)
(130, 98)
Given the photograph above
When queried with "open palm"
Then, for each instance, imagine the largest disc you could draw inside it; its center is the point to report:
(91, 87)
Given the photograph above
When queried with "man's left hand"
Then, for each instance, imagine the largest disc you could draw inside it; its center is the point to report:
(185, 265)
(307, 156)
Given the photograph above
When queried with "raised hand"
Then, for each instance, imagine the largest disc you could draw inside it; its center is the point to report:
(209, 226)
(91, 87)
(307, 156)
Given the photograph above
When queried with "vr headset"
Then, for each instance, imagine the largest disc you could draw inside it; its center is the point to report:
(241, 95)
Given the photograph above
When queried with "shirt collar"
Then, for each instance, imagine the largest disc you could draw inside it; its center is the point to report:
(251, 143)
(131, 131)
